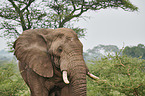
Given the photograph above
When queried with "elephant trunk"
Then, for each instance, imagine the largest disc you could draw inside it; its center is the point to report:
(75, 67)
(72, 61)
(77, 79)
(77, 75)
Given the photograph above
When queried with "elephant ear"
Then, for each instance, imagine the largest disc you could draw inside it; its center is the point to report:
(31, 48)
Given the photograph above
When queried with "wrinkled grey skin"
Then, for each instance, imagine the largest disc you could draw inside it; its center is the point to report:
(43, 54)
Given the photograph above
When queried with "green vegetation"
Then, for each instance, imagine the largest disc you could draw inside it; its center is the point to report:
(119, 76)
(11, 83)
(135, 51)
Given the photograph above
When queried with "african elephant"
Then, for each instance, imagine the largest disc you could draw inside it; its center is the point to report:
(51, 62)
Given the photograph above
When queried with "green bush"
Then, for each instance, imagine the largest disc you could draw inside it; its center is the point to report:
(11, 83)
(119, 76)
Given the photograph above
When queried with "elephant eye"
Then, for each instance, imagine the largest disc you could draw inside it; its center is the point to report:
(60, 35)
(60, 49)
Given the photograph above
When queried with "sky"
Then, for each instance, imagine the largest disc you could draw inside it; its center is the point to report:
(115, 27)
(111, 27)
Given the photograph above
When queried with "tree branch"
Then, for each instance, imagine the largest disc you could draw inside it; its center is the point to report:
(9, 29)
(27, 16)
(8, 13)
(26, 7)
(17, 9)
(71, 16)
(73, 4)
(15, 6)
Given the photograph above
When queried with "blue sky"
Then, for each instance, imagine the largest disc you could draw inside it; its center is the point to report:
(111, 27)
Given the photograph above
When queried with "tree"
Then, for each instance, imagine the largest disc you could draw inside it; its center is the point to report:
(20, 15)
(135, 51)
(99, 51)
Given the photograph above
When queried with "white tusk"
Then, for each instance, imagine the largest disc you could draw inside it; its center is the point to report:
(92, 76)
(65, 79)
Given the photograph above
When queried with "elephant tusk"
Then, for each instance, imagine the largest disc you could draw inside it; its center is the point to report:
(65, 79)
(92, 76)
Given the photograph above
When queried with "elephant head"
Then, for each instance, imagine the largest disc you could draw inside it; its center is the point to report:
(44, 49)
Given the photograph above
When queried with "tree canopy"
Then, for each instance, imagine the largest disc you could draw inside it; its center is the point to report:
(135, 51)
(20, 15)
(100, 51)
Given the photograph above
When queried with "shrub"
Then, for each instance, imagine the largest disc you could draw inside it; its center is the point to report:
(119, 76)
(11, 83)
